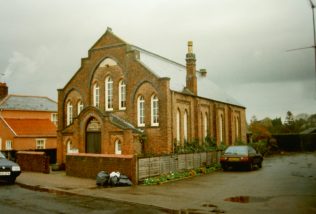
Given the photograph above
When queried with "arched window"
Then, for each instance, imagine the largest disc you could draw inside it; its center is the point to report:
(154, 111)
(118, 147)
(237, 127)
(221, 128)
(69, 113)
(185, 126)
(69, 146)
(107, 63)
(141, 111)
(122, 95)
(108, 94)
(205, 126)
(79, 107)
(178, 126)
(96, 95)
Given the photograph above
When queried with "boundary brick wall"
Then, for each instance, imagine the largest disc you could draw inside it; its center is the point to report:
(33, 161)
(89, 165)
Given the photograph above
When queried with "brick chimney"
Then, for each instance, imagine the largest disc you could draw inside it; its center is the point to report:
(3, 90)
(191, 81)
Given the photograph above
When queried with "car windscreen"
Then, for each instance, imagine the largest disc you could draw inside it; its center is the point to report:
(1, 155)
(236, 150)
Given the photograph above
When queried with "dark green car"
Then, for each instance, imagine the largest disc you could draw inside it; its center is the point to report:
(9, 170)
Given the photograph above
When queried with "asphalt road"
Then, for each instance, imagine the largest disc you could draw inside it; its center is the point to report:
(285, 184)
(16, 200)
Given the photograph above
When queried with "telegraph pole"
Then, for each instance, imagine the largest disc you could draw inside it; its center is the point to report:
(313, 7)
(314, 46)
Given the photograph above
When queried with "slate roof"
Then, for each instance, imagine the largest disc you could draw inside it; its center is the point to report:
(309, 131)
(163, 67)
(29, 103)
(31, 127)
(123, 123)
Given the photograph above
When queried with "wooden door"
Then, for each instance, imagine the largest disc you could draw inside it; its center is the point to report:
(93, 142)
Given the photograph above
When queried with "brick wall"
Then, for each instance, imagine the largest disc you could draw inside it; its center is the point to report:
(88, 165)
(33, 161)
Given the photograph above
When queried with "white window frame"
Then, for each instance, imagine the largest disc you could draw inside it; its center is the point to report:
(70, 149)
(69, 113)
(40, 143)
(96, 95)
(54, 118)
(178, 126)
(109, 94)
(8, 145)
(154, 110)
(122, 95)
(185, 126)
(141, 111)
(79, 107)
(205, 125)
(237, 127)
(118, 147)
(221, 131)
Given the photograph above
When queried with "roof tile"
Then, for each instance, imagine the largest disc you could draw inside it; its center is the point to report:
(32, 127)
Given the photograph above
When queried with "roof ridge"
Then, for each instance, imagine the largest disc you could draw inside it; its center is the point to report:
(13, 118)
(157, 55)
(33, 96)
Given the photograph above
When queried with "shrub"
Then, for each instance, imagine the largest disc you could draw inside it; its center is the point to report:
(260, 146)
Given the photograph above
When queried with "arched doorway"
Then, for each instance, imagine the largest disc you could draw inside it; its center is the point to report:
(93, 137)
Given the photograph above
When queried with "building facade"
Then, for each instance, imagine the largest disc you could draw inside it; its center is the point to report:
(27, 123)
(126, 100)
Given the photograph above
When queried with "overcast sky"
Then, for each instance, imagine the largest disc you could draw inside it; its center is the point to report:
(243, 44)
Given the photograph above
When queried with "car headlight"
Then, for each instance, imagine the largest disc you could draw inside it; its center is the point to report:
(16, 168)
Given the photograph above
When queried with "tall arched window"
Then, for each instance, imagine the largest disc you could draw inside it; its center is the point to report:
(79, 107)
(69, 113)
(122, 95)
(118, 147)
(178, 126)
(221, 128)
(141, 111)
(108, 94)
(185, 126)
(96, 95)
(205, 126)
(237, 128)
(154, 111)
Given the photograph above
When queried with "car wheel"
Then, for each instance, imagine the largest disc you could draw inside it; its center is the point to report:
(260, 165)
(250, 166)
(224, 167)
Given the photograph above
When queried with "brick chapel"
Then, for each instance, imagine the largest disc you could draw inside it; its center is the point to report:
(127, 100)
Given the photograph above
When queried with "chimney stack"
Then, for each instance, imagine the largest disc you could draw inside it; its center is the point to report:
(203, 72)
(3, 90)
(191, 80)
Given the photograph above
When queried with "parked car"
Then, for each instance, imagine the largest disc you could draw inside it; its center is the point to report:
(9, 170)
(241, 156)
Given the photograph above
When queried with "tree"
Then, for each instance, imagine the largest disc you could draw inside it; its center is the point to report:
(259, 129)
(276, 126)
(289, 123)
